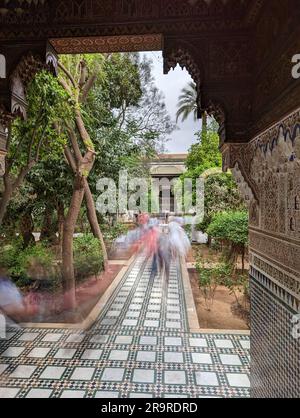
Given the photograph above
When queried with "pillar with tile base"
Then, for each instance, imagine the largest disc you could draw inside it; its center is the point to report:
(267, 171)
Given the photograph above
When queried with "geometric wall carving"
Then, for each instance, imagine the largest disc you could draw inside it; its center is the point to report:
(108, 44)
(274, 348)
(275, 260)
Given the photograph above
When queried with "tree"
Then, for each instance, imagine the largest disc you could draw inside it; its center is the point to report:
(187, 105)
(231, 228)
(78, 75)
(205, 154)
(221, 194)
(31, 140)
(128, 128)
(113, 98)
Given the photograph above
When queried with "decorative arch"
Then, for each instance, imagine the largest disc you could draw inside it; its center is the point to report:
(2, 66)
(180, 54)
(183, 54)
(25, 71)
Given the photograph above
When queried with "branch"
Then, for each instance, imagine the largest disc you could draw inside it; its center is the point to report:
(74, 143)
(37, 153)
(67, 73)
(83, 132)
(23, 173)
(87, 88)
(65, 86)
(82, 70)
(70, 158)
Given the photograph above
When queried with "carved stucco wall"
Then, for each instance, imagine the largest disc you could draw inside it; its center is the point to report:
(268, 173)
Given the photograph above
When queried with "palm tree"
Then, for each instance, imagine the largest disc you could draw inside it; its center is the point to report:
(187, 105)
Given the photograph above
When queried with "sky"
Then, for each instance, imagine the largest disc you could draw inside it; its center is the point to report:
(171, 85)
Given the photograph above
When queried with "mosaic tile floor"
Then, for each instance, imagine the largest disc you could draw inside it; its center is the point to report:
(140, 346)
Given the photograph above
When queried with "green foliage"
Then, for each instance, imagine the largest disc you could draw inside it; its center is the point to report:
(123, 81)
(24, 265)
(237, 283)
(204, 155)
(88, 257)
(231, 227)
(187, 103)
(221, 194)
(210, 278)
(35, 137)
(126, 118)
(111, 233)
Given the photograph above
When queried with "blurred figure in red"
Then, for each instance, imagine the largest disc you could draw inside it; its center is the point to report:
(150, 243)
(143, 219)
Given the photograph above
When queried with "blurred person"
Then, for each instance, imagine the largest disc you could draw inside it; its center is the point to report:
(164, 254)
(143, 219)
(150, 243)
(12, 303)
(179, 241)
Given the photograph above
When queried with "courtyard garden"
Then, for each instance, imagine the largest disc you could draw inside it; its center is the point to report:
(102, 114)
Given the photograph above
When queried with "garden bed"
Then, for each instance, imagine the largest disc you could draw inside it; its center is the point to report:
(225, 313)
(87, 295)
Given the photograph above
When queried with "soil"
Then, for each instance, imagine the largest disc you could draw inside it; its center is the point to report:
(225, 313)
(211, 255)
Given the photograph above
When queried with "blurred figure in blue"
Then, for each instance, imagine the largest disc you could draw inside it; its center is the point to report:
(12, 304)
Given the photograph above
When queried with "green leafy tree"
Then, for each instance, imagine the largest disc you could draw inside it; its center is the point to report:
(205, 154)
(110, 102)
(221, 194)
(32, 140)
(187, 105)
(231, 229)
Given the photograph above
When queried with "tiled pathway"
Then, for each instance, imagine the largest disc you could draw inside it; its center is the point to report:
(140, 346)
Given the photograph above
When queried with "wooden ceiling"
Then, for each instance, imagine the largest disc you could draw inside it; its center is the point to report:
(237, 51)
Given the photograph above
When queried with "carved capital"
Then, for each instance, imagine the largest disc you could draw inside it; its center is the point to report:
(239, 158)
(20, 79)
(217, 111)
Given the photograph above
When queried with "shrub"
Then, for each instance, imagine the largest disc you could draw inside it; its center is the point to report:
(88, 257)
(231, 228)
(210, 278)
(24, 265)
(112, 232)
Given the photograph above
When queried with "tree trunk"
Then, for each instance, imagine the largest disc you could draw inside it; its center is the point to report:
(10, 187)
(48, 232)
(4, 202)
(243, 259)
(67, 247)
(92, 217)
(26, 229)
(60, 224)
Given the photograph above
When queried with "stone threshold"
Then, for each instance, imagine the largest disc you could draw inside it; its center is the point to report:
(95, 312)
